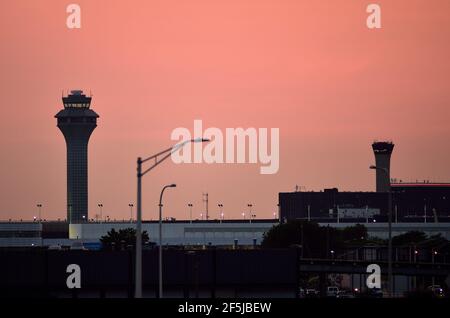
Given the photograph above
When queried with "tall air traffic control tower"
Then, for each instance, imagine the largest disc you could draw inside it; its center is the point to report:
(77, 122)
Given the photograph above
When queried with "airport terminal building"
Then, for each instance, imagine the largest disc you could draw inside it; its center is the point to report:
(411, 202)
(175, 233)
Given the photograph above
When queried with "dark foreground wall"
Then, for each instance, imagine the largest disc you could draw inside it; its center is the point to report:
(203, 273)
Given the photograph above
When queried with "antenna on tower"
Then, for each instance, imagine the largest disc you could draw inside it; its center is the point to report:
(206, 200)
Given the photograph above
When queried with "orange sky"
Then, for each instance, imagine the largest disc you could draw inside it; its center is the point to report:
(311, 68)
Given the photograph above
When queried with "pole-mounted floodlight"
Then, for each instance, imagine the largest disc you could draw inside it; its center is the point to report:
(131, 205)
(190, 205)
(39, 206)
(100, 206)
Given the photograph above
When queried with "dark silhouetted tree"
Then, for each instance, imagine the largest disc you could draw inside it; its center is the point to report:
(123, 237)
(357, 232)
(317, 241)
(408, 238)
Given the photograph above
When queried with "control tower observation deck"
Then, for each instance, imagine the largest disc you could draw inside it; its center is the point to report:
(77, 122)
(383, 151)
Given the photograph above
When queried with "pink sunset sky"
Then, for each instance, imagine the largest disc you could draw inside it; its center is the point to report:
(310, 68)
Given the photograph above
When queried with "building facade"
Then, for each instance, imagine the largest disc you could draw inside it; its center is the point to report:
(417, 203)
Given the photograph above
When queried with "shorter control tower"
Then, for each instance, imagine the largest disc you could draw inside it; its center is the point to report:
(77, 122)
(383, 151)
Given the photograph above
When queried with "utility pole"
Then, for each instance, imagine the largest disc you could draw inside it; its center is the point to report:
(367, 213)
(425, 213)
(302, 239)
(206, 200)
(190, 205)
(396, 214)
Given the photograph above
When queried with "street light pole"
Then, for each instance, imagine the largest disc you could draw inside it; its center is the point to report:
(396, 214)
(220, 205)
(390, 242)
(39, 206)
(190, 212)
(425, 213)
(100, 205)
(138, 274)
(131, 205)
(367, 213)
(433, 254)
(159, 157)
(389, 231)
(160, 239)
